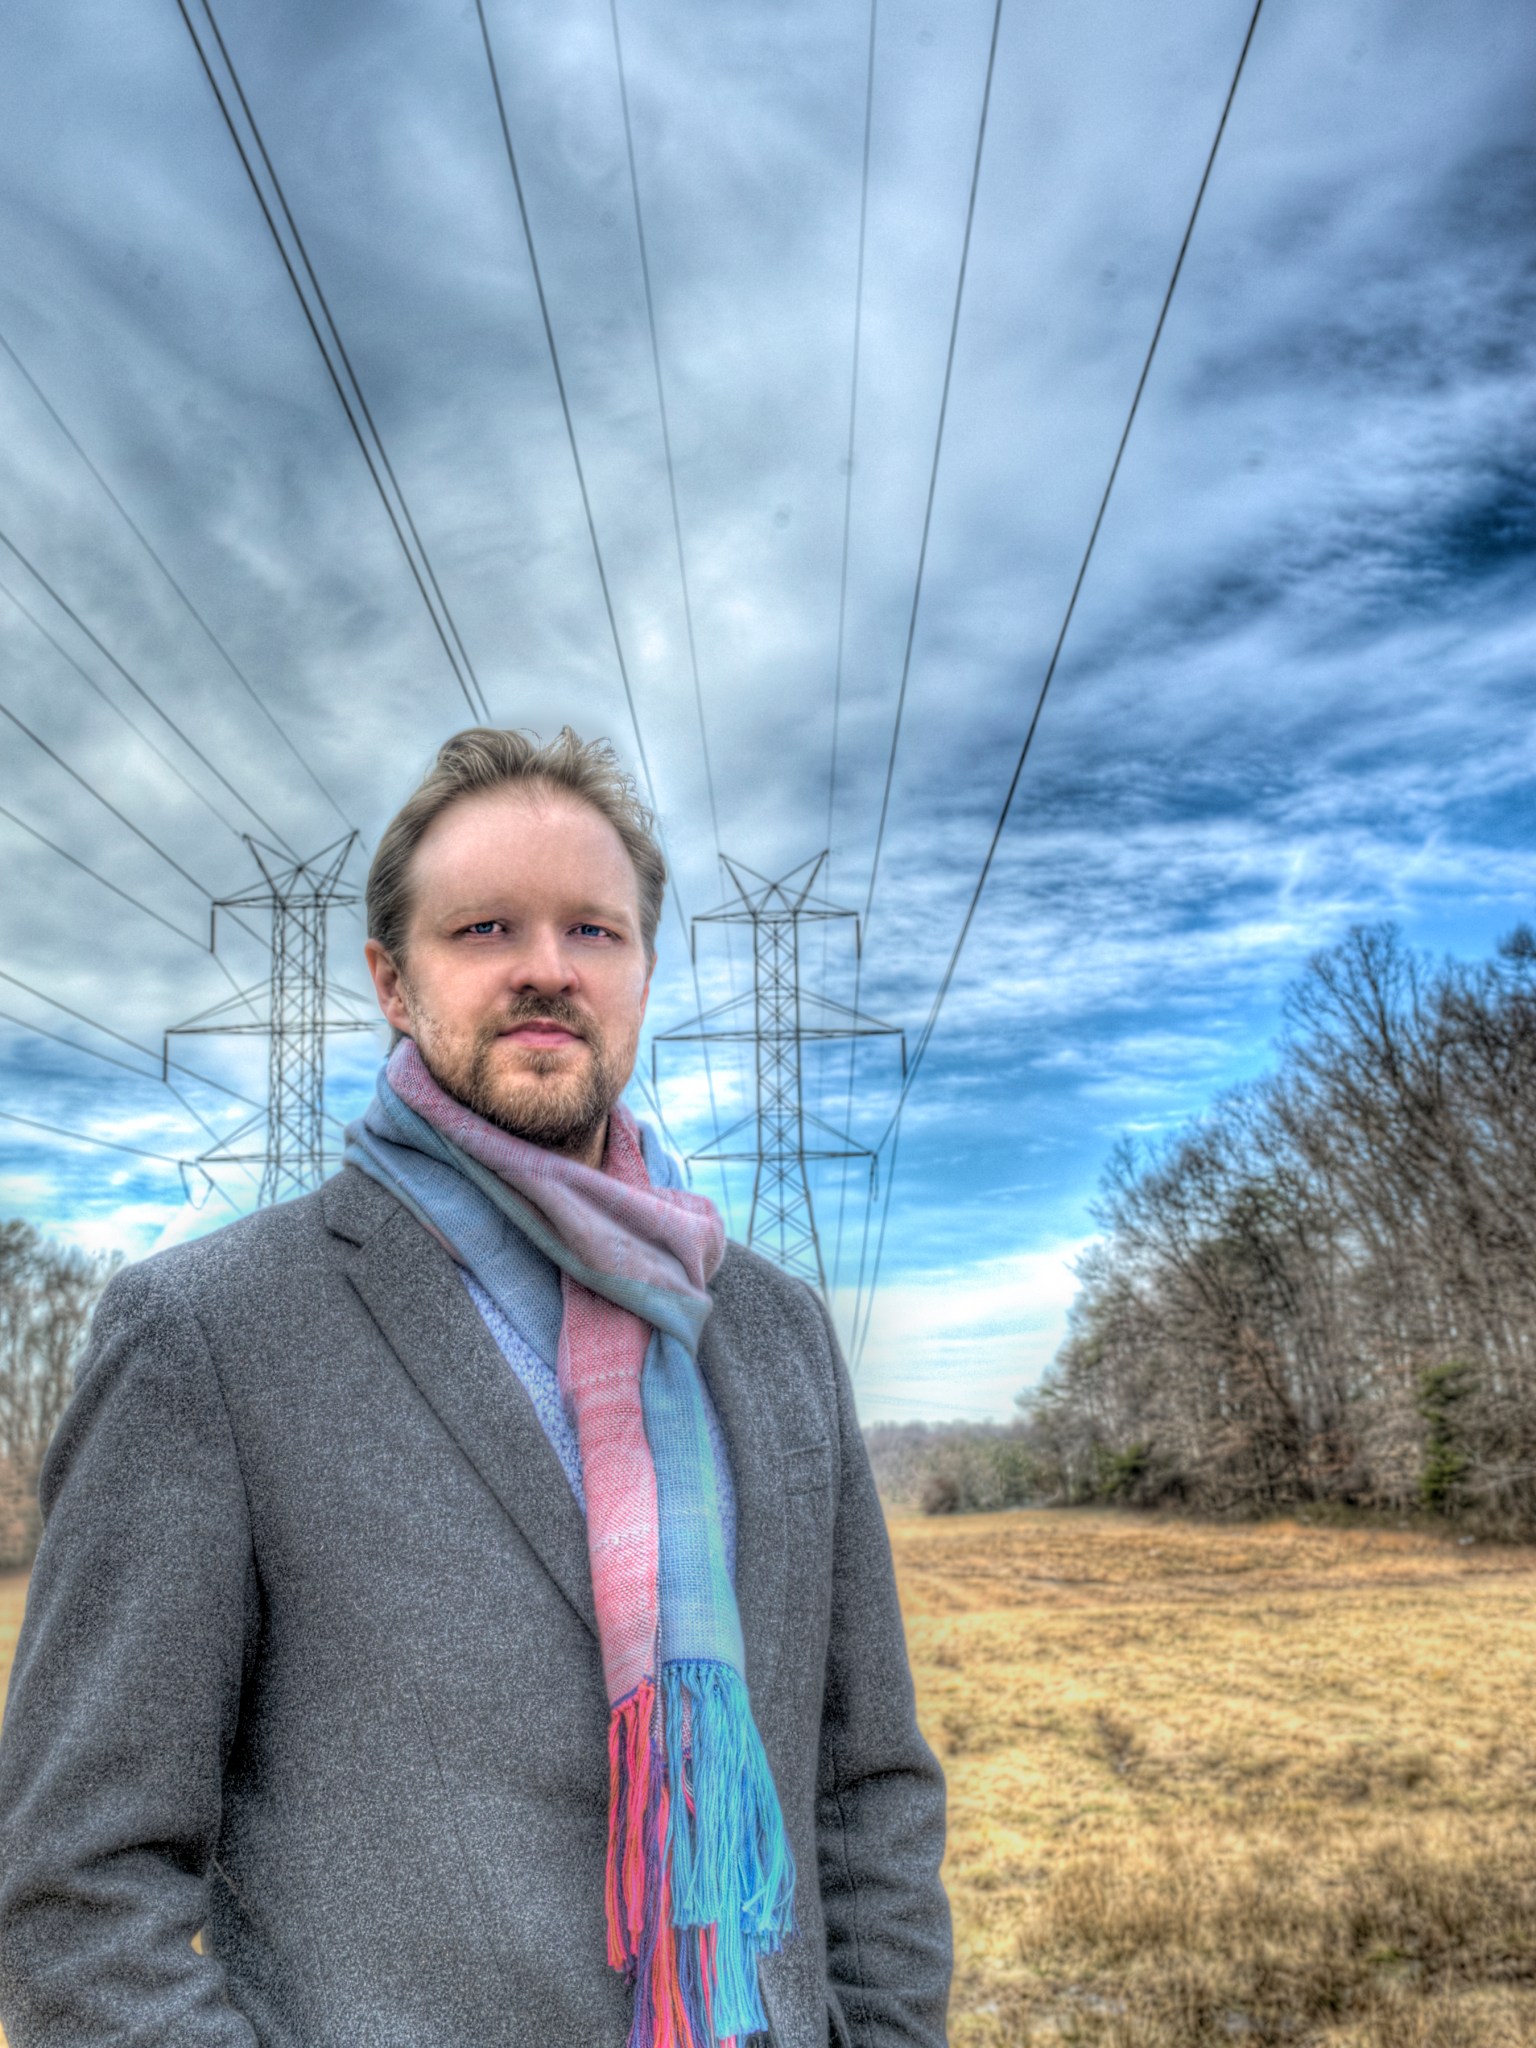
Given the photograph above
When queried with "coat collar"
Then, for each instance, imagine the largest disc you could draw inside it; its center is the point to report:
(416, 1296)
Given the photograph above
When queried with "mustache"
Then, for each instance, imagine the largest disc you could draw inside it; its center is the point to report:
(544, 1009)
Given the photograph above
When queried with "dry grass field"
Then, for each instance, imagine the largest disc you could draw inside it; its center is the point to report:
(1213, 1785)
(13, 1598)
(1262, 1786)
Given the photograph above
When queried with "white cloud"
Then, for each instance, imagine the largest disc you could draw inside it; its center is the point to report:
(132, 1229)
(1295, 690)
(963, 1339)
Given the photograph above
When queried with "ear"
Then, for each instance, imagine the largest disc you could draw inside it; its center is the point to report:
(388, 986)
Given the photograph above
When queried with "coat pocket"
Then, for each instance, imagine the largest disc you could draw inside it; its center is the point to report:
(807, 1467)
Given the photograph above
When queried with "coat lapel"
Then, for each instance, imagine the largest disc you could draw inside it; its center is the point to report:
(738, 1387)
(414, 1293)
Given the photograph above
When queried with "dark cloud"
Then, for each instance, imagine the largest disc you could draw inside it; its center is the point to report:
(1294, 691)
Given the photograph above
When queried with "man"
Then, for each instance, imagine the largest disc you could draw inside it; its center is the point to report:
(463, 1595)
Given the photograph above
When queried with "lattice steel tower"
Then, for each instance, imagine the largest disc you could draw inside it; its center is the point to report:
(785, 1017)
(298, 895)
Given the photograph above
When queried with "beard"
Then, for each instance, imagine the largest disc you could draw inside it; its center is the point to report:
(542, 1101)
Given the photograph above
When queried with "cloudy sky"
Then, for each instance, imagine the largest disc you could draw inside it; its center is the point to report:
(1297, 693)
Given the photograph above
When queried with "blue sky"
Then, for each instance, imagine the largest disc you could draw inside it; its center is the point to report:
(1298, 691)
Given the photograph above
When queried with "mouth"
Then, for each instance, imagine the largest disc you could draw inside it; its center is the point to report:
(541, 1034)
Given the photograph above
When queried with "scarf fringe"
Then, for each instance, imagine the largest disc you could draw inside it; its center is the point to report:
(730, 1863)
(700, 1880)
(634, 1793)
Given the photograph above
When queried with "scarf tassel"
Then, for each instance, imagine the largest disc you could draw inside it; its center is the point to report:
(700, 1878)
(634, 1791)
(672, 1975)
(729, 1862)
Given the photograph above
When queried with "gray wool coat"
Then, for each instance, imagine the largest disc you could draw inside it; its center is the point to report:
(310, 1662)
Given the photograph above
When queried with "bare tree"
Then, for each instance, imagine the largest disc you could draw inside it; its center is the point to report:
(1326, 1286)
(47, 1294)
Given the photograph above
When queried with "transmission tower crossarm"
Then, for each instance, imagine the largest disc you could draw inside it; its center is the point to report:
(299, 894)
(784, 1019)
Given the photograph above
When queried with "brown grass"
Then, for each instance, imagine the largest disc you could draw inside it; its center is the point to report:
(13, 1598)
(1209, 1786)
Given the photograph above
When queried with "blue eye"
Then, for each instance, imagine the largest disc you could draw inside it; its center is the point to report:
(486, 924)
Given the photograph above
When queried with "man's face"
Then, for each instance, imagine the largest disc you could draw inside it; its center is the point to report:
(525, 974)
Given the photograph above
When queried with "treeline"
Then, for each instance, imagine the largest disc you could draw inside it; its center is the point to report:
(47, 1293)
(948, 1468)
(1324, 1290)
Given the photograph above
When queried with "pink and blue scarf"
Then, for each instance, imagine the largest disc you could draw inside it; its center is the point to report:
(700, 1879)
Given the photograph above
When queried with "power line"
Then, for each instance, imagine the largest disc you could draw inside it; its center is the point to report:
(122, 818)
(938, 447)
(113, 1145)
(137, 902)
(346, 362)
(586, 505)
(922, 560)
(143, 539)
(299, 897)
(166, 1063)
(81, 1138)
(853, 414)
(779, 1019)
(198, 1118)
(116, 709)
(135, 685)
(1077, 585)
(74, 1045)
(134, 1045)
(105, 802)
(666, 432)
(423, 574)
(682, 558)
(653, 1103)
(926, 1035)
(842, 580)
(74, 860)
(111, 1060)
(861, 1338)
(565, 403)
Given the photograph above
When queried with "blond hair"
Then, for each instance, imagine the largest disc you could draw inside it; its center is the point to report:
(490, 757)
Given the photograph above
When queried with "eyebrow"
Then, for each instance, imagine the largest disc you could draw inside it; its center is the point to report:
(588, 913)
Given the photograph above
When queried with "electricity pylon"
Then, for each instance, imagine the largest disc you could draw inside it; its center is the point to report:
(292, 1017)
(784, 1018)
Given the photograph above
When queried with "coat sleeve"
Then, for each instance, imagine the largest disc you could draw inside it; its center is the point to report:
(125, 1694)
(880, 1792)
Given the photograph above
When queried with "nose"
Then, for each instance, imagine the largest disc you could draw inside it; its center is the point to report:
(543, 965)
